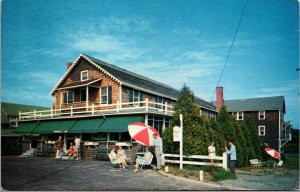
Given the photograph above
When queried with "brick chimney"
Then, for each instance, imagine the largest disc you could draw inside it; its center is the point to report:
(69, 65)
(219, 98)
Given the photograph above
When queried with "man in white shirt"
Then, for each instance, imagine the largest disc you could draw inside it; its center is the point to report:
(77, 147)
(158, 146)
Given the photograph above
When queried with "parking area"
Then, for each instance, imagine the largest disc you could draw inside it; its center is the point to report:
(46, 174)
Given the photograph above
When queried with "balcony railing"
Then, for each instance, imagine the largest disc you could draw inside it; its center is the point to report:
(94, 109)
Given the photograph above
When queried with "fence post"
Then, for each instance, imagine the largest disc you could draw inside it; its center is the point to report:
(93, 109)
(51, 111)
(166, 108)
(72, 110)
(117, 106)
(147, 104)
(201, 175)
(224, 161)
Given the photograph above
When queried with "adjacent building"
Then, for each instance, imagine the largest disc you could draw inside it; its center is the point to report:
(267, 114)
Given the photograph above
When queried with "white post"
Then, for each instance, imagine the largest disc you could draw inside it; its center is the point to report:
(224, 161)
(201, 174)
(117, 106)
(167, 169)
(51, 111)
(93, 109)
(181, 142)
(147, 104)
(87, 98)
(72, 110)
(65, 140)
(166, 108)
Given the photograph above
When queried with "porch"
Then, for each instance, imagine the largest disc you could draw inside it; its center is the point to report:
(84, 109)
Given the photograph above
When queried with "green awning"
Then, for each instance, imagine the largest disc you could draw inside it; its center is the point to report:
(54, 127)
(119, 124)
(26, 128)
(87, 126)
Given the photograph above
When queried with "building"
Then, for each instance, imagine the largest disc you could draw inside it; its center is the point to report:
(96, 101)
(10, 141)
(267, 114)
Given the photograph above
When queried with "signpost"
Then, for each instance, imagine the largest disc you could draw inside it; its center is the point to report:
(177, 136)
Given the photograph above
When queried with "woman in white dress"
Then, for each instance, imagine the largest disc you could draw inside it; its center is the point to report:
(212, 151)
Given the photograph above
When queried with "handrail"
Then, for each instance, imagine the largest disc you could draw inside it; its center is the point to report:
(98, 108)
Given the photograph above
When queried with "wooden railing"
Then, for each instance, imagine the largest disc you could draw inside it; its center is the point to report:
(98, 109)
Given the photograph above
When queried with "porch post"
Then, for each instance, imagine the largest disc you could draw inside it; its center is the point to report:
(65, 140)
(87, 97)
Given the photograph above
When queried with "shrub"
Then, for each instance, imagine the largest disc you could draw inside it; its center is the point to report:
(221, 174)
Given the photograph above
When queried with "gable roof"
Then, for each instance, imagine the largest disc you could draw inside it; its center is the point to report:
(132, 80)
(256, 104)
(12, 110)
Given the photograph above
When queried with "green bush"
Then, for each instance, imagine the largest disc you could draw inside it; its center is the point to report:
(220, 174)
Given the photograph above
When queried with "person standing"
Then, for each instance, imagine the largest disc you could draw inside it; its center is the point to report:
(232, 153)
(58, 145)
(211, 151)
(77, 147)
(158, 148)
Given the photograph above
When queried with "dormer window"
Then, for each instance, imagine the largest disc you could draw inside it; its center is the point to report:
(84, 75)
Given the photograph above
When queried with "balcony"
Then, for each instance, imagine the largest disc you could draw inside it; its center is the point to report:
(73, 110)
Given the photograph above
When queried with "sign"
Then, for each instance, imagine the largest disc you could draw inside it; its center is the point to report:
(176, 133)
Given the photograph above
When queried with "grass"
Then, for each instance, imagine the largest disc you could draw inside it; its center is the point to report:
(292, 161)
(210, 173)
(220, 174)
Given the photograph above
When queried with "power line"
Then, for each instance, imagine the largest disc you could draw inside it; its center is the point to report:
(230, 48)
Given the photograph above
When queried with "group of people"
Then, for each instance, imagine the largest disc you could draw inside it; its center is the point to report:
(73, 150)
(121, 156)
(231, 151)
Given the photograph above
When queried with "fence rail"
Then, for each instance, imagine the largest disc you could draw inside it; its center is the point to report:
(97, 108)
(222, 158)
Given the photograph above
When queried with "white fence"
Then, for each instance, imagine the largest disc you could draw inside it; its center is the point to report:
(98, 109)
(223, 160)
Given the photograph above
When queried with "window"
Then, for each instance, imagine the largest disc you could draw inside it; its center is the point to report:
(157, 123)
(261, 130)
(82, 94)
(135, 96)
(261, 115)
(106, 95)
(240, 116)
(69, 97)
(114, 136)
(84, 75)
(160, 101)
(13, 121)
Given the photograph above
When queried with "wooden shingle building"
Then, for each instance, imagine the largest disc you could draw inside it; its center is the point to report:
(96, 101)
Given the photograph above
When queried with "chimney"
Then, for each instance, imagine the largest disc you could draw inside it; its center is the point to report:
(219, 98)
(69, 65)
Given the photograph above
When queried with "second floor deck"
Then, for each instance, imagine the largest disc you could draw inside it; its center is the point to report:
(75, 110)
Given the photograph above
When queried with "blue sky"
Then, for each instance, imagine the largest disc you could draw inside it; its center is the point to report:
(175, 42)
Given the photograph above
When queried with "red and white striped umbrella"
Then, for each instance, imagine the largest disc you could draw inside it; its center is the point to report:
(142, 133)
(273, 153)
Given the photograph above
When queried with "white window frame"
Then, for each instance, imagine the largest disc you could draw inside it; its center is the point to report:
(259, 130)
(261, 113)
(87, 75)
(13, 121)
(238, 115)
(101, 100)
(68, 97)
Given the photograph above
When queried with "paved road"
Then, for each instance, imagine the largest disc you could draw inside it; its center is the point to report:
(46, 174)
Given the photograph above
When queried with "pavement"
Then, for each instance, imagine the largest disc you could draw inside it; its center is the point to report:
(46, 174)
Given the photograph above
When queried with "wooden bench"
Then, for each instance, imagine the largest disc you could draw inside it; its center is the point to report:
(255, 163)
(101, 154)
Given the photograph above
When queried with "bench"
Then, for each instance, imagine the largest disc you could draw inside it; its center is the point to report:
(255, 163)
(101, 154)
